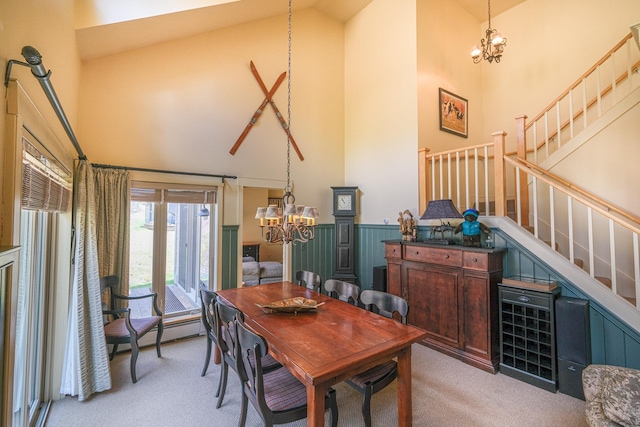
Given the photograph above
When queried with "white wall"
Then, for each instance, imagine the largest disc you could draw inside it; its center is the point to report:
(550, 44)
(381, 135)
(182, 105)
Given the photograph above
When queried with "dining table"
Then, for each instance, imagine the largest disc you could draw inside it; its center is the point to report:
(329, 344)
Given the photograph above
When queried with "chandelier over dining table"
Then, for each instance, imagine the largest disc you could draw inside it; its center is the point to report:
(296, 224)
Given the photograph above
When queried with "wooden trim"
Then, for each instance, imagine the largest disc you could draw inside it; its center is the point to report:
(602, 207)
(582, 77)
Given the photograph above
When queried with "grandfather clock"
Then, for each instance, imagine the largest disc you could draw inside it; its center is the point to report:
(344, 211)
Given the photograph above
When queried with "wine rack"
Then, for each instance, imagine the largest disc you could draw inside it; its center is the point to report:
(527, 335)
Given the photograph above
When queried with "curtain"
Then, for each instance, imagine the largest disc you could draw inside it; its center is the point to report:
(112, 189)
(86, 364)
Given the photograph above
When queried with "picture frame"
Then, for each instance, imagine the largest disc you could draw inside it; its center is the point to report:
(454, 117)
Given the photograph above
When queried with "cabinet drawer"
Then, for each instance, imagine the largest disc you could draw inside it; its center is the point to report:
(526, 297)
(475, 260)
(450, 257)
(393, 251)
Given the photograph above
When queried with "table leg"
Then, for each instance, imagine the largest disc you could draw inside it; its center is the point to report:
(405, 415)
(315, 405)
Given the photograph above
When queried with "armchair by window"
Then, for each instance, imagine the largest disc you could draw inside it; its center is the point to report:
(121, 328)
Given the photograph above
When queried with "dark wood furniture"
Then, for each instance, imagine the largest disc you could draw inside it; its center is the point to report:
(306, 343)
(121, 328)
(377, 378)
(309, 279)
(528, 332)
(208, 319)
(453, 295)
(276, 396)
(252, 250)
(344, 211)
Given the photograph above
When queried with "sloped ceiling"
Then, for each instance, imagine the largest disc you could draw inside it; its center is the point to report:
(99, 34)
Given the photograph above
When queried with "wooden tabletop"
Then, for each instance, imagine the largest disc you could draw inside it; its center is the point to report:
(330, 344)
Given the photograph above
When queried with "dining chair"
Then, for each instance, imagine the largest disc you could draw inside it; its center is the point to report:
(207, 315)
(277, 396)
(121, 328)
(227, 343)
(344, 291)
(309, 279)
(375, 379)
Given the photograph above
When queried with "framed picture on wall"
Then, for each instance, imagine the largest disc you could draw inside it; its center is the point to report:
(453, 114)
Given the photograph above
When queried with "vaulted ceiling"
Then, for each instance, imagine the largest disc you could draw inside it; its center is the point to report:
(106, 27)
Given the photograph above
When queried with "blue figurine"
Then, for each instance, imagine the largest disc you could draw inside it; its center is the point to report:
(471, 228)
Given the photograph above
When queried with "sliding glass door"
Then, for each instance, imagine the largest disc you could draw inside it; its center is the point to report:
(31, 314)
(171, 248)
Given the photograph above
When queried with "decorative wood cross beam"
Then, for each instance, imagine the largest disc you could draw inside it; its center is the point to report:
(268, 99)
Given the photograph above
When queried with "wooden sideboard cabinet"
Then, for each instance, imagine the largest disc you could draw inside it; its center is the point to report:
(452, 293)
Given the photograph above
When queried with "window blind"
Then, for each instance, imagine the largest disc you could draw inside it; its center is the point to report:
(43, 186)
(169, 195)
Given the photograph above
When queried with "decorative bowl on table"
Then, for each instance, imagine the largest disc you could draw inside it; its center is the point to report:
(291, 305)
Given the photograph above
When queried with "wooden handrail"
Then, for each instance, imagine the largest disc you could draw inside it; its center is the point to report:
(459, 150)
(594, 202)
(580, 112)
(577, 82)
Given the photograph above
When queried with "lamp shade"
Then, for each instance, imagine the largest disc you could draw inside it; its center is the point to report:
(261, 212)
(439, 209)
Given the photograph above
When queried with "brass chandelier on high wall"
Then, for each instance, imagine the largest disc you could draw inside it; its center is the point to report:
(297, 223)
(492, 45)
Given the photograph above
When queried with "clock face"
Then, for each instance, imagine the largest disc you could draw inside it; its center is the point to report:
(344, 202)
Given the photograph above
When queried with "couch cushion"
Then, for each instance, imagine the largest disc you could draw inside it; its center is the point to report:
(270, 269)
(621, 397)
(250, 270)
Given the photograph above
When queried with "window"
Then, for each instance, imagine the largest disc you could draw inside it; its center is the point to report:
(172, 241)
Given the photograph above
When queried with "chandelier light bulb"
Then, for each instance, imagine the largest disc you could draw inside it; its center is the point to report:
(476, 52)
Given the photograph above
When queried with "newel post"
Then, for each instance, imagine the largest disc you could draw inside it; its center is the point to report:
(521, 138)
(423, 179)
(521, 153)
(499, 170)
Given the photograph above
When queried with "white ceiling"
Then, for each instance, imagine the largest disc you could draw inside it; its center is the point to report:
(99, 40)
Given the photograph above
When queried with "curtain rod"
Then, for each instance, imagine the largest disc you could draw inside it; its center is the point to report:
(97, 165)
(34, 60)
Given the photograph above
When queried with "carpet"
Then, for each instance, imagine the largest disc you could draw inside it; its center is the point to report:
(446, 392)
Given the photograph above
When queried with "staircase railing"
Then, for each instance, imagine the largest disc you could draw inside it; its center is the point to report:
(589, 232)
(586, 100)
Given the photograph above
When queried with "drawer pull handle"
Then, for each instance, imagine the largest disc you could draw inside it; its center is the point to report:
(446, 256)
(524, 299)
(474, 259)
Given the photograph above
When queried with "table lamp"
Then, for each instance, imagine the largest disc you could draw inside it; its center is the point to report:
(440, 209)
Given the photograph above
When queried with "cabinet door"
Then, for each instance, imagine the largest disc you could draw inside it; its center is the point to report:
(394, 279)
(476, 316)
(432, 294)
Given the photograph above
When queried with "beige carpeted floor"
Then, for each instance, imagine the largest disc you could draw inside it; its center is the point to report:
(446, 392)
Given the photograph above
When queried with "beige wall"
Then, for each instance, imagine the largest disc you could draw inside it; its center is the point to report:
(182, 105)
(550, 44)
(47, 26)
(381, 137)
(254, 197)
(446, 33)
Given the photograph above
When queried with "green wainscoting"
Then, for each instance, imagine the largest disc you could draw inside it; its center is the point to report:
(230, 256)
(612, 341)
(315, 255)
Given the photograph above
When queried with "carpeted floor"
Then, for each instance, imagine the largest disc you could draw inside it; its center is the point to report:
(446, 392)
